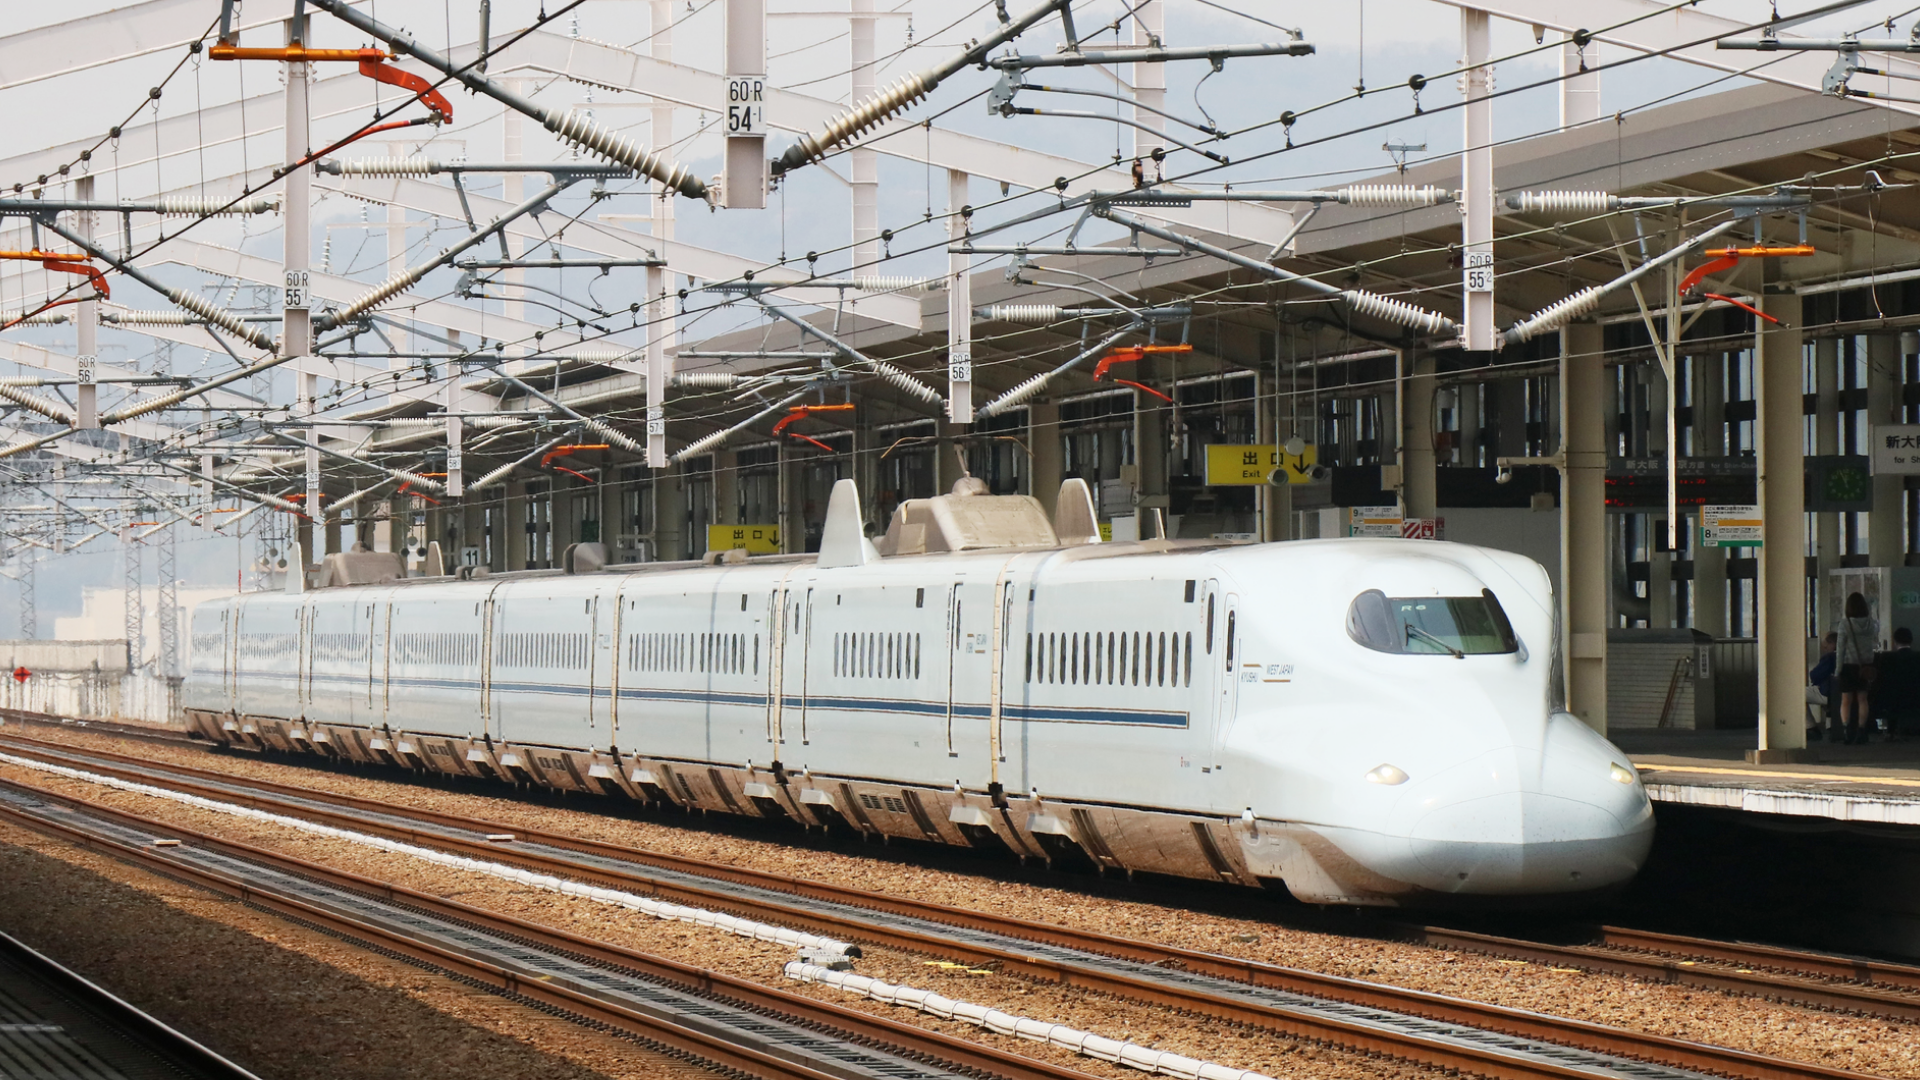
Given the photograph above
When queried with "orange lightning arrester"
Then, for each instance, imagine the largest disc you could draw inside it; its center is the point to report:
(565, 451)
(65, 262)
(801, 411)
(1727, 258)
(1128, 355)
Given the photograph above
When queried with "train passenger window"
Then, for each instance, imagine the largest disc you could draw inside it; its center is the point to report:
(1073, 659)
(1230, 617)
(1209, 626)
(1161, 666)
(756, 654)
(1189, 658)
(1029, 657)
(1455, 626)
(1136, 660)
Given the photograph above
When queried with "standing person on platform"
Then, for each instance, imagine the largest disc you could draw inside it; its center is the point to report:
(1896, 686)
(1857, 634)
(1820, 682)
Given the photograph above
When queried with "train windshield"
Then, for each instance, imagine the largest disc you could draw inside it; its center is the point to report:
(1456, 626)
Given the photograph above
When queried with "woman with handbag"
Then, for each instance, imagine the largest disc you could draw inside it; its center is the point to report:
(1859, 636)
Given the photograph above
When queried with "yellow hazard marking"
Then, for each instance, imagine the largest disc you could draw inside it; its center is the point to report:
(1777, 774)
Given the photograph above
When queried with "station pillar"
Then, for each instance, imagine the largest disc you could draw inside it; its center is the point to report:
(1886, 533)
(1043, 437)
(670, 513)
(1417, 477)
(726, 489)
(1780, 441)
(1710, 440)
(513, 519)
(1826, 440)
(1583, 521)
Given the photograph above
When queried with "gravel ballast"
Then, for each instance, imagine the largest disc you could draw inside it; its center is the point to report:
(1873, 1046)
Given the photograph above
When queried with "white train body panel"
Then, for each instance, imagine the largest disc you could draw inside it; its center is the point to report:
(1196, 710)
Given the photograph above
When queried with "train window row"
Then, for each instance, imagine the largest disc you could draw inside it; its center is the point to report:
(717, 654)
(877, 656)
(265, 646)
(540, 650)
(460, 649)
(1111, 658)
(339, 647)
(209, 645)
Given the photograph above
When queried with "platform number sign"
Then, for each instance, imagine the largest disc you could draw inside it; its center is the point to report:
(295, 294)
(960, 364)
(746, 105)
(1479, 271)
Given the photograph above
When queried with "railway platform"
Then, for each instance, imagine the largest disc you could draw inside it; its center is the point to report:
(1877, 783)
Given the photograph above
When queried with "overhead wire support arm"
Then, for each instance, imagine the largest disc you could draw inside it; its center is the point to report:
(1585, 301)
(1385, 308)
(885, 104)
(406, 279)
(1149, 54)
(206, 309)
(571, 126)
(708, 442)
(598, 427)
(397, 474)
(893, 374)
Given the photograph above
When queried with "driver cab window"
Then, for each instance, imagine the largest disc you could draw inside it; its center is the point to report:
(1456, 626)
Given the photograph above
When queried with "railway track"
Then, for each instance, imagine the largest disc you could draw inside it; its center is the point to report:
(56, 1023)
(1426, 1028)
(705, 1015)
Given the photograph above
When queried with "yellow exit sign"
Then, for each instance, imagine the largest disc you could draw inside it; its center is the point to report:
(1230, 464)
(757, 539)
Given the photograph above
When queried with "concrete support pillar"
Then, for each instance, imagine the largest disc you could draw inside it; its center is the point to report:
(1580, 85)
(946, 463)
(1150, 424)
(1149, 22)
(1476, 174)
(513, 522)
(1779, 379)
(565, 509)
(1710, 440)
(473, 532)
(1659, 562)
(726, 487)
(791, 525)
(1583, 523)
(333, 541)
(1416, 438)
(1886, 527)
(1043, 436)
(670, 512)
(1826, 441)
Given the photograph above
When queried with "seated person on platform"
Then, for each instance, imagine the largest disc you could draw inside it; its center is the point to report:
(1896, 686)
(1820, 679)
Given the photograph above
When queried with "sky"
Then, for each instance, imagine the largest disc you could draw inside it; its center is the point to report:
(1375, 43)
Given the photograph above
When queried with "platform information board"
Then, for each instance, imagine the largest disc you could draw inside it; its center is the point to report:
(1730, 526)
(757, 539)
(1374, 521)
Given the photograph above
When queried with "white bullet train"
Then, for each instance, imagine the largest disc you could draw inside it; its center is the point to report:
(1368, 721)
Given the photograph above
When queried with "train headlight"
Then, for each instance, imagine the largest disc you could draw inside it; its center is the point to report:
(1386, 774)
(1620, 774)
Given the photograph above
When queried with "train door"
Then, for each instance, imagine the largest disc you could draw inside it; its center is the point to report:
(380, 652)
(1223, 635)
(229, 634)
(970, 616)
(304, 695)
(603, 662)
(489, 722)
(796, 628)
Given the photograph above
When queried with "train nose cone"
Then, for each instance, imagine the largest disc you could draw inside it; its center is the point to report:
(1555, 820)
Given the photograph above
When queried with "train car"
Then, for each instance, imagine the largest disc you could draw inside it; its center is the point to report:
(1369, 722)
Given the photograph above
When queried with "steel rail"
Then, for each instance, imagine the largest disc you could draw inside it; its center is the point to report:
(168, 1048)
(1583, 1035)
(1795, 977)
(858, 1026)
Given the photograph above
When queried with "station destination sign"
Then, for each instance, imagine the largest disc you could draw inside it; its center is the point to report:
(1640, 483)
(1896, 449)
